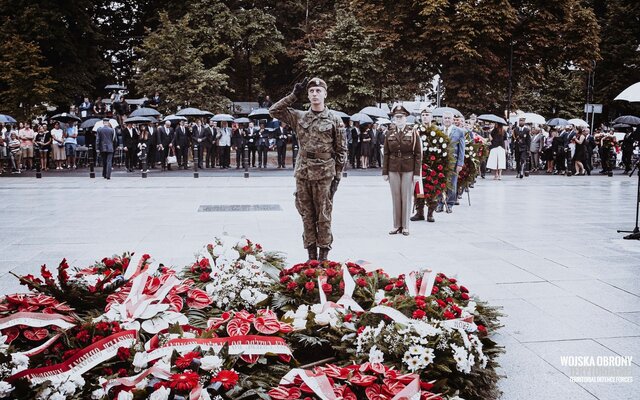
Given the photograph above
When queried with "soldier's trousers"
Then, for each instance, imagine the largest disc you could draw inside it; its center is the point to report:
(314, 203)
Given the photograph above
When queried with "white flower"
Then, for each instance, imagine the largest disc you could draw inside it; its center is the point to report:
(98, 394)
(67, 388)
(441, 140)
(433, 133)
(161, 394)
(20, 362)
(3, 344)
(142, 384)
(444, 145)
(245, 294)
(59, 396)
(209, 363)
(299, 324)
(415, 350)
(427, 357)
(125, 395)
(5, 388)
(140, 361)
(444, 154)
(375, 355)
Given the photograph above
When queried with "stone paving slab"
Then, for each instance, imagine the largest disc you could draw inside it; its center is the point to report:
(545, 248)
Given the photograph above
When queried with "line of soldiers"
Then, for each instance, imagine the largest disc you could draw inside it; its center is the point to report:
(212, 144)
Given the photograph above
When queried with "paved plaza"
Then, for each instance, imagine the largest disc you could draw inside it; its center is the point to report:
(545, 248)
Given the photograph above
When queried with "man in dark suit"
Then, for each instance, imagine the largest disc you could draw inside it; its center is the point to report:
(521, 146)
(106, 142)
(210, 144)
(263, 145)
(282, 137)
(165, 142)
(181, 144)
(456, 146)
(237, 144)
(130, 144)
(152, 145)
(198, 137)
(251, 138)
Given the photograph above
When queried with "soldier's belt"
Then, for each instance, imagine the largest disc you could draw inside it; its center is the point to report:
(316, 155)
(401, 154)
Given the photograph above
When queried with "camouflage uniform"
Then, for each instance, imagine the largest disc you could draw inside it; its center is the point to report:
(323, 152)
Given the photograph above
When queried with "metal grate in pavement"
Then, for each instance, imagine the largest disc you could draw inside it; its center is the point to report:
(239, 207)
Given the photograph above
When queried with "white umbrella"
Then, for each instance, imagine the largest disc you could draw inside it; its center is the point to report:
(439, 111)
(99, 124)
(533, 118)
(374, 112)
(383, 121)
(578, 122)
(631, 94)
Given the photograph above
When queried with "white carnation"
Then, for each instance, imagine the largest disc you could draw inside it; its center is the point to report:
(161, 394)
(209, 363)
(5, 389)
(125, 395)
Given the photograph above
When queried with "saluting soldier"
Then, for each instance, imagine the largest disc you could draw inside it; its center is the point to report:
(323, 152)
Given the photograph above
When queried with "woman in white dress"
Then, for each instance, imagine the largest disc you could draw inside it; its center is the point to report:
(497, 156)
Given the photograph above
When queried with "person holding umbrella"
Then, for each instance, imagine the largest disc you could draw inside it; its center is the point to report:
(106, 142)
(70, 144)
(165, 143)
(181, 144)
(210, 134)
(130, 140)
(497, 154)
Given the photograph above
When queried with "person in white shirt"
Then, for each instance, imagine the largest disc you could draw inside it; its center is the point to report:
(57, 145)
(224, 145)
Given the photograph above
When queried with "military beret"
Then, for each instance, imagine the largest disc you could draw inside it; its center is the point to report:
(399, 109)
(316, 82)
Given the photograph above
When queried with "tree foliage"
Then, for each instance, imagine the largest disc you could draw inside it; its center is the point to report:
(170, 64)
(347, 58)
(24, 81)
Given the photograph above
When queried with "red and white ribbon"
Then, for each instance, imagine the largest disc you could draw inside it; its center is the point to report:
(319, 383)
(82, 361)
(37, 320)
(465, 324)
(132, 381)
(247, 345)
(42, 347)
(349, 287)
(392, 313)
(410, 392)
(428, 279)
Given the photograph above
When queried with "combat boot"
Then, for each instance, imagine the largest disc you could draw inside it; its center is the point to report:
(313, 252)
(419, 214)
(430, 215)
(324, 253)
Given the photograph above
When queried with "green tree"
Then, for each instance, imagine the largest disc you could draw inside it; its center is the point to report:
(620, 65)
(65, 32)
(558, 94)
(348, 59)
(170, 64)
(25, 84)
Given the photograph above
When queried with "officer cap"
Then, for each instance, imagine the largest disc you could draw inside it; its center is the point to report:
(426, 110)
(316, 82)
(399, 109)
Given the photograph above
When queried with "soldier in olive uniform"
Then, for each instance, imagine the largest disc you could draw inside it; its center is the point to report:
(323, 152)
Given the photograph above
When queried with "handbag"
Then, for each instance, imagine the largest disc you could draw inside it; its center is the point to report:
(171, 158)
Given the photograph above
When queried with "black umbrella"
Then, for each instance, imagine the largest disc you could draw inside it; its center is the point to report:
(137, 120)
(144, 112)
(492, 118)
(115, 87)
(89, 124)
(621, 126)
(66, 118)
(557, 122)
(260, 113)
(627, 119)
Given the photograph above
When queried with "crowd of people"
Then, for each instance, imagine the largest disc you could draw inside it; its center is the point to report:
(525, 148)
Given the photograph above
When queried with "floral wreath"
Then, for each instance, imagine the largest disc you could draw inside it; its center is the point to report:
(437, 161)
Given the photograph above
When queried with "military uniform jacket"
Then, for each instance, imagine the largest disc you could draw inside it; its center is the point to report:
(323, 149)
(402, 151)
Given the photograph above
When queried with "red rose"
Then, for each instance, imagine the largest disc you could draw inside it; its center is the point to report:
(464, 289)
(438, 279)
(449, 299)
(434, 290)
(453, 280)
(205, 277)
(360, 330)
(439, 167)
(292, 285)
(453, 287)
(309, 286)
(361, 282)
(108, 262)
(331, 272)
(348, 317)
(122, 372)
(310, 272)
(83, 336)
(457, 310)
(432, 158)
(418, 314)
(124, 353)
(341, 285)
(284, 279)
(327, 288)
(204, 263)
(314, 263)
(185, 381)
(448, 315)
(388, 287)
(421, 304)
(441, 303)
(442, 185)
(399, 283)
(228, 378)
(482, 329)
(464, 296)
(185, 361)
